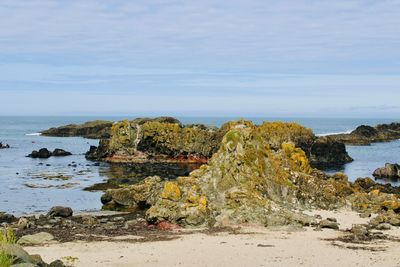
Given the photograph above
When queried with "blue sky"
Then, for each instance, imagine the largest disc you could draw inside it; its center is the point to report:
(205, 58)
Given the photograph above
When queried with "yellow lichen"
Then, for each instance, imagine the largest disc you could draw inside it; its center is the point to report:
(171, 191)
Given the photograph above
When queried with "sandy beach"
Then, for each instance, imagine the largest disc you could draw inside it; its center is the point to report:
(249, 246)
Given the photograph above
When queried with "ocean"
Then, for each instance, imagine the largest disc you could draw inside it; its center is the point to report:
(34, 185)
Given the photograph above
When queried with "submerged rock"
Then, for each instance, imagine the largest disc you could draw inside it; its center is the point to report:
(365, 135)
(252, 178)
(389, 171)
(92, 129)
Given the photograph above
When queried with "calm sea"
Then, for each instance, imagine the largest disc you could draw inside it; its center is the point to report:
(28, 185)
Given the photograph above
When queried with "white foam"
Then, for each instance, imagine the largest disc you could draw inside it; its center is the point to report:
(34, 134)
(326, 134)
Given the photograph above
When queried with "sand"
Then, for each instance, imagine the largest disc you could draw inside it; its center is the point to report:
(253, 246)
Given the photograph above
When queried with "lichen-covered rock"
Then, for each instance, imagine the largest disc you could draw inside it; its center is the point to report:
(389, 171)
(245, 181)
(93, 129)
(375, 201)
(159, 140)
(166, 140)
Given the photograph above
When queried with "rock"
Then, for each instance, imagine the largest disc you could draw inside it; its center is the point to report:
(327, 152)
(93, 129)
(59, 211)
(36, 239)
(332, 219)
(57, 263)
(329, 224)
(7, 218)
(23, 223)
(384, 227)
(43, 153)
(365, 135)
(4, 146)
(389, 171)
(250, 179)
(166, 226)
(17, 253)
(60, 153)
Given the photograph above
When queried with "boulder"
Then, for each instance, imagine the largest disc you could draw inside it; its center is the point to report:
(59, 211)
(60, 153)
(36, 239)
(330, 224)
(389, 171)
(43, 153)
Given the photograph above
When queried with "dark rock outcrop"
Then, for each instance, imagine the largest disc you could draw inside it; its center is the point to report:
(93, 129)
(327, 152)
(389, 171)
(365, 135)
(44, 153)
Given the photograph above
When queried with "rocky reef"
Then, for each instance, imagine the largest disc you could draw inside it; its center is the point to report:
(253, 177)
(389, 171)
(167, 140)
(98, 129)
(365, 135)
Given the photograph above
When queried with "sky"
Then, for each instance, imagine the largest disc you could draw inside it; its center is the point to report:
(297, 58)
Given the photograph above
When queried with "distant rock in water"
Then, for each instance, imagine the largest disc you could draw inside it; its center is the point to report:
(167, 140)
(60, 153)
(389, 171)
(4, 146)
(365, 135)
(93, 129)
(44, 153)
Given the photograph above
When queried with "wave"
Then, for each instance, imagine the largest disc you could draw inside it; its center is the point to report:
(33, 134)
(326, 134)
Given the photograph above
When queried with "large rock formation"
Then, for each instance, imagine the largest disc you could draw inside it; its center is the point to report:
(250, 179)
(93, 129)
(365, 135)
(389, 171)
(157, 140)
(167, 140)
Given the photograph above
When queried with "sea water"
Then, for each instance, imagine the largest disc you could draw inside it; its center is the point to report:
(34, 185)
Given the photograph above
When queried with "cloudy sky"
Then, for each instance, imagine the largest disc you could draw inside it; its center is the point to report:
(203, 58)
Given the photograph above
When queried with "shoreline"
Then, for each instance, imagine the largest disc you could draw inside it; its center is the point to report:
(245, 246)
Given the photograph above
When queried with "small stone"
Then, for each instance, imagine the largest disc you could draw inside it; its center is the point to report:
(384, 227)
(332, 219)
(329, 224)
(118, 219)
